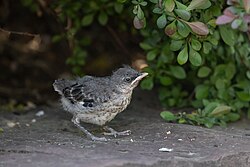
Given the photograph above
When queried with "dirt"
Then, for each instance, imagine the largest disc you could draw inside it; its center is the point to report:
(52, 140)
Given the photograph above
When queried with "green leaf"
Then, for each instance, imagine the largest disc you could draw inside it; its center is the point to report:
(222, 123)
(244, 96)
(147, 83)
(77, 70)
(178, 72)
(182, 29)
(196, 45)
(103, 18)
(87, 20)
(145, 46)
(182, 121)
(154, 1)
(121, 1)
(176, 45)
(233, 116)
(212, 40)
(151, 55)
(248, 74)
(163, 93)
(185, 15)
(199, 4)
(171, 102)
(135, 9)
(220, 110)
(180, 5)
(194, 57)
(171, 18)
(143, 3)
(135, 2)
(157, 10)
(227, 35)
(57, 38)
(209, 108)
(201, 92)
(166, 81)
(230, 71)
(168, 116)
(236, 23)
(176, 36)
(248, 113)
(161, 21)
(150, 71)
(183, 56)
(118, 7)
(140, 13)
(223, 94)
(212, 23)
(169, 5)
(207, 47)
(171, 29)
(208, 124)
(204, 72)
(205, 5)
(205, 102)
(220, 84)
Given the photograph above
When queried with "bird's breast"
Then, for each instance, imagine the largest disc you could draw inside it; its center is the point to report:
(105, 112)
(122, 101)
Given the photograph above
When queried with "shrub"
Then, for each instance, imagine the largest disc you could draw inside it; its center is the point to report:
(198, 51)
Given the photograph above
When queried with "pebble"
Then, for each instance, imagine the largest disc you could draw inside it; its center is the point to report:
(11, 124)
(168, 132)
(165, 149)
(40, 113)
(33, 120)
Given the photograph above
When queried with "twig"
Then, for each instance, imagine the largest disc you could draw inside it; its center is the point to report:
(191, 95)
(243, 60)
(118, 40)
(69, 24)
(19, 33)
(46, 9)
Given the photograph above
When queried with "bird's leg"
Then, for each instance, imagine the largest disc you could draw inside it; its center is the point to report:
(114, 133)
(76, 122)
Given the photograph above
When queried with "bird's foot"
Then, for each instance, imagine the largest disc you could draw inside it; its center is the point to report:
(94, 138)
(89, 135)
(114, 133)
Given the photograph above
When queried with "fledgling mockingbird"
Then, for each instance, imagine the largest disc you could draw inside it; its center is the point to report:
(97, 100)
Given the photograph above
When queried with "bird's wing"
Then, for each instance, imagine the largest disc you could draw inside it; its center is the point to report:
(88, 93)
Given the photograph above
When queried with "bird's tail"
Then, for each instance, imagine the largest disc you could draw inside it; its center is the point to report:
(60, 84)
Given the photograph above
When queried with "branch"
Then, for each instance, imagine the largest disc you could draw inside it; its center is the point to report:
(18, 33)
(118, 40)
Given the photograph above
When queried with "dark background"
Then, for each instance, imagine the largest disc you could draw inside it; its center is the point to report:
(29, 64)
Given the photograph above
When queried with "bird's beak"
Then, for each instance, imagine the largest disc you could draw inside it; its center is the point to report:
(142, 75)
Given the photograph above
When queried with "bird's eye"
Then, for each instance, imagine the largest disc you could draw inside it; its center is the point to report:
(127, 79)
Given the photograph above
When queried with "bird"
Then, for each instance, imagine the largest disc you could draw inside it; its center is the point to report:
(97, 100)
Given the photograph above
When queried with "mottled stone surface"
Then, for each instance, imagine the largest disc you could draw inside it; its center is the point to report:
(53, 140)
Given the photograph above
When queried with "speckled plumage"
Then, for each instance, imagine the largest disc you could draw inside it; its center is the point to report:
(97, 100)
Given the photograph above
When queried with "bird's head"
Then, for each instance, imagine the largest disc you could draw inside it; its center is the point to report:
(127, 78)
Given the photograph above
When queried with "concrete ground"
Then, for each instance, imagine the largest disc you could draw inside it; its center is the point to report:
(52, 140)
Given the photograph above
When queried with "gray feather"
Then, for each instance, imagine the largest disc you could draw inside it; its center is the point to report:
(92, 94)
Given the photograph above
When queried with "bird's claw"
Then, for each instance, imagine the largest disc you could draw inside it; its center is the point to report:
(115, 133)
(94, 138)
